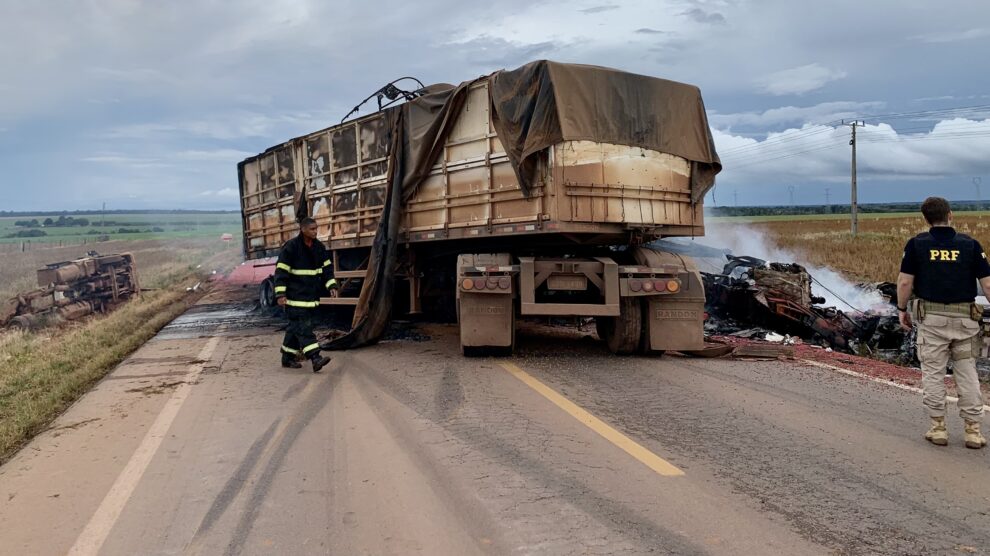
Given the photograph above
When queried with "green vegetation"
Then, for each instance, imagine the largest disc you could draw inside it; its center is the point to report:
(837, 211)
(118, 225)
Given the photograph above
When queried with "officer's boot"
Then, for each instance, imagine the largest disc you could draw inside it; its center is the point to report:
(318, 361)
(289, 361)
(974, 439)
(937, 435)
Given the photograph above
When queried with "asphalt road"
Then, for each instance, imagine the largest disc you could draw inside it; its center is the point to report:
(201, 444)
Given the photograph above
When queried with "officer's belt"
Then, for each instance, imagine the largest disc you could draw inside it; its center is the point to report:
(953, 309)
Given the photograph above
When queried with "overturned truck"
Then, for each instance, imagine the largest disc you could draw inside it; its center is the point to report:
(522, 193)
(73, 289)
(778, 296)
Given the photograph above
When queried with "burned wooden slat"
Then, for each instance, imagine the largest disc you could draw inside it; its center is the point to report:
(763, 351)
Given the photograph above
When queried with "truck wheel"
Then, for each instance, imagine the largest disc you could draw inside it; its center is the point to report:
(602, 326)
(266, 293)
(21, 323)
(622, 333)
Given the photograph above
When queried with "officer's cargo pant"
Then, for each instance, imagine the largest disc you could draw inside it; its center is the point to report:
(299, 337)
(941, 337)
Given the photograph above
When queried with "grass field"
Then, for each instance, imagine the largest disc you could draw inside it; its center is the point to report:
(149, 226)
(873, 255)
(43, 372)
(816, 217)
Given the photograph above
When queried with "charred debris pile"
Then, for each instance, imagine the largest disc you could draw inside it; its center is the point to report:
(753, 298)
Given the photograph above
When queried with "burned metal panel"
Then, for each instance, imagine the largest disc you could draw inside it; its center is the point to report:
(344, 155)
(469, 201)
(317, 162)
(251, 184)
(374, 141)
(427, 209)
(344, 213)
(372, 201)
(620, 184)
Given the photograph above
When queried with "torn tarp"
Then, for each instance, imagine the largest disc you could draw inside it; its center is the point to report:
(418, 130)
(544, 103)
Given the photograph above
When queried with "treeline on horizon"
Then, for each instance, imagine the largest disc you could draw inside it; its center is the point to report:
(97, 212)
(874, 208)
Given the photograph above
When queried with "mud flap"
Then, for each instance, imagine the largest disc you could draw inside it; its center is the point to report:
(675, 324)
(487, 323)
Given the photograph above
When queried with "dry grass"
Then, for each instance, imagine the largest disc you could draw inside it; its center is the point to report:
(873, 255)
(157, 260)
(42, 373)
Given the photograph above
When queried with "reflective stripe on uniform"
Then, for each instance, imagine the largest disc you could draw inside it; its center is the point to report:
(289, 350)
(311, 347)
(331, 283)
(279, 289)
(326, 262)
(292, 303)
(299, 271)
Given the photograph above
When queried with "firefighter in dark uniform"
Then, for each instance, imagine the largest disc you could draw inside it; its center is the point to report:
(942, 268)
(303, 272)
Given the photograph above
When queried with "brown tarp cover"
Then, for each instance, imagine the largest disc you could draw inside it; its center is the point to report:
(533, 107)
(544, 103)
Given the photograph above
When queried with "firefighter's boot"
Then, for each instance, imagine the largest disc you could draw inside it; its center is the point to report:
(319, 362)
(974, 439)
(937, 435)
(289, 361)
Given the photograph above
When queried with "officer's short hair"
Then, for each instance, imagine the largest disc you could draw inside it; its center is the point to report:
(306, 221)
(935, 210)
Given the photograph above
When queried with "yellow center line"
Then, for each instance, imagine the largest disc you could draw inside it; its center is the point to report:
(622, 441)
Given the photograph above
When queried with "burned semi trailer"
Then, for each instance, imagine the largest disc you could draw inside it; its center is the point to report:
(530, 192)
(73, 289)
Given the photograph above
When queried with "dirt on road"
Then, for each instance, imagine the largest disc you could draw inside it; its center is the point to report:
(200, 443)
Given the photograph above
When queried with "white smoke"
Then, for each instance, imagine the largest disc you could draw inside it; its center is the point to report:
(837, 290)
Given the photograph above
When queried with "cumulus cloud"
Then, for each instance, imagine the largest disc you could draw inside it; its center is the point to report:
(799, 80)
(821, 153)
(192, 86)
(214, 155)
(599, 9)
(819, 113)
(953, 36)
(701, 16)
(225, 193)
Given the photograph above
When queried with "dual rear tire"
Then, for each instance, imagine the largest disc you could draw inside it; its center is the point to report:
(627, 333)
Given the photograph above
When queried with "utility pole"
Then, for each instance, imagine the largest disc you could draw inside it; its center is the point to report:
(854, 210)
(103, 217)
(735, 196)
(790, 189)
(979, 200)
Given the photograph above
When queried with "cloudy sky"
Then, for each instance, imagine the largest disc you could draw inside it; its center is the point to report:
(144, 104)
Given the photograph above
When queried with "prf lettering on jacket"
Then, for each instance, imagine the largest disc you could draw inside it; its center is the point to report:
(943, 254)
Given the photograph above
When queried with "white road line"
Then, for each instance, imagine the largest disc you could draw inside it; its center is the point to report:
(914, 389)
(93, 536)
